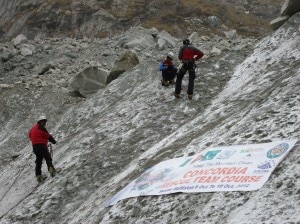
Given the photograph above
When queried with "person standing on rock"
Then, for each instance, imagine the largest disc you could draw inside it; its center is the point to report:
(39, 137)
(168, 70)
(188, 54)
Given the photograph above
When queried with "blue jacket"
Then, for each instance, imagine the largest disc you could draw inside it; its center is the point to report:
(166, 65)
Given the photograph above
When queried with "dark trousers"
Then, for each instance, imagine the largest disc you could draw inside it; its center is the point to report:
(41, 152)
(169, 75)
(190, 67)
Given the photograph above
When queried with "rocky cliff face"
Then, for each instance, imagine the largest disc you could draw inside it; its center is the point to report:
(104, 18)
(246, 92)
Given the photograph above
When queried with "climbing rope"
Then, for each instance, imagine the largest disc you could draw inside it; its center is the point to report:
(50, 149)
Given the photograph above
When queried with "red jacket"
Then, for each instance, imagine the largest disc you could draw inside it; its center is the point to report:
(188, 53)
(39, 135)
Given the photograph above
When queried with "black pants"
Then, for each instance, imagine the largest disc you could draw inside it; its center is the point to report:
(190, 67)
(41, 152)
(169, 75)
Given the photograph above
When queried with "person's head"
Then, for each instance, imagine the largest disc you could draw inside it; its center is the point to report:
(186, 42)
(170, 56)
(42, 120)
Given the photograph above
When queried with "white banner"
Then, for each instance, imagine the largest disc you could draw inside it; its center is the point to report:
(224, 168)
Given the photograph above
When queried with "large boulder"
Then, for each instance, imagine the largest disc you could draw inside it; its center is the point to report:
(278, 22)
(125, 62)
(89, 81)
(144, 42)
(290, 7)
(165, 39)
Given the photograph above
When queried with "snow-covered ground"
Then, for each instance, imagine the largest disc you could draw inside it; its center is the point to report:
(110, 138)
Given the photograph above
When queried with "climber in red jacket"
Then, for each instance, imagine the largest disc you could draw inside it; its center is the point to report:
(39, 137)
(188, 54)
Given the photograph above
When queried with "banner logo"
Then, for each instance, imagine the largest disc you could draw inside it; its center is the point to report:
(266, 165)
(226, 154)
(277, 151)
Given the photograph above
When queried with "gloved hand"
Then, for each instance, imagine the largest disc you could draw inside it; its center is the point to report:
(52, 140)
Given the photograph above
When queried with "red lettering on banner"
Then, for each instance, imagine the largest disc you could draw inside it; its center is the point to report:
(241, 179)
(206, 179)
(216, 171)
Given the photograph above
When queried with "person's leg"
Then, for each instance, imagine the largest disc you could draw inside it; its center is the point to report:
(164, 78)
(39, 160)
(47, 157)
(192, 76)
(179, 78)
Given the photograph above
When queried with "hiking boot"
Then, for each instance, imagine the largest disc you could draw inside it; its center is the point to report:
(177, 95)
(40, 178)
(190, 97)
(52, 171)
(165, 83)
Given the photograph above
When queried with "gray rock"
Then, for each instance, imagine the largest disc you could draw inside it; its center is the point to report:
(125, 62)
(26, 50)
(278, 22)
(290, 7)
(89, 81)
(46, 68)
(230, 34)
(6, 55)
(161, 44)
(193, 37)
(142, 43)
(216, 51)
(19, 39)
(164, 36)
(214, 21)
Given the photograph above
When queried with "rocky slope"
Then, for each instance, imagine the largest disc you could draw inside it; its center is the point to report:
(246, 92)
(93, 18)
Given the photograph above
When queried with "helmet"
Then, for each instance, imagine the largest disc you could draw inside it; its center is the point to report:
(42, 117)
(170, 55)
(186, 42)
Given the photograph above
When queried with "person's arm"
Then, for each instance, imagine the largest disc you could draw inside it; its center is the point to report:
(46, 135)
(180, 54)
(52, 140)
(199, 54)
(162, 67)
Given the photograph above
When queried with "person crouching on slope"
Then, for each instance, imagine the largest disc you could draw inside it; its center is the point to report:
(168, 70)
(39, 137)
(188, 54)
